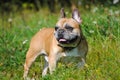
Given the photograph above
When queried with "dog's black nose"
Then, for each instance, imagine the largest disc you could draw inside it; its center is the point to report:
(60, 35)
(61, 31)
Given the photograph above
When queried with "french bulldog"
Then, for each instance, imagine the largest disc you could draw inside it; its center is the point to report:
(64, 40)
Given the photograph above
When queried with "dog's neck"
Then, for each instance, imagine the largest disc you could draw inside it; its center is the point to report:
(70, 48)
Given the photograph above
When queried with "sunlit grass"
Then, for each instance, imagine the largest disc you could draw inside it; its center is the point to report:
(101, 29)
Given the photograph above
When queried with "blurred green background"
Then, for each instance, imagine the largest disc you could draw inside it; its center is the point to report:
(21, 19)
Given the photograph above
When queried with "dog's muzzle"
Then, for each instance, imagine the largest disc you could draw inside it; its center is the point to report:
(61, 39)
(61, 33)
(64, 37)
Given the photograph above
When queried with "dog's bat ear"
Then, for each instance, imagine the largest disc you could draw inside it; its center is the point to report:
(62, 13)
(76, 16)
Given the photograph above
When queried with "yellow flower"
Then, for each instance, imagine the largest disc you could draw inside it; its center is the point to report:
(86, 65)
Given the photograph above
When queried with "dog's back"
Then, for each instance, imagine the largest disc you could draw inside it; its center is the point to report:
(37, 39)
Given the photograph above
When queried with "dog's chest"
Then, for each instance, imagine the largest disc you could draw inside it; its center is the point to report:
(73, 52)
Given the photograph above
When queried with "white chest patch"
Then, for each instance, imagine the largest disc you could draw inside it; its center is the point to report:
(73, 53)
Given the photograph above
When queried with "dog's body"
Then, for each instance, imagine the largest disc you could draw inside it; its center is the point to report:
(65, 40)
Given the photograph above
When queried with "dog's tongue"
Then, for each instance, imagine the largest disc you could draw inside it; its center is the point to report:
(62, 40)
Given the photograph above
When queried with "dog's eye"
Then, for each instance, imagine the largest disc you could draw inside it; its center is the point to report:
(56, 27)
(69, 28)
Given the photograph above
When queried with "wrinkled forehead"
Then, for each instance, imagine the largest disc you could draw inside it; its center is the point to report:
(67, 21)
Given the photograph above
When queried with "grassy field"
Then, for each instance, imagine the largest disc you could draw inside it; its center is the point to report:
(101, 26)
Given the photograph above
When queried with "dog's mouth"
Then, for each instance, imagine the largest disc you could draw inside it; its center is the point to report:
(67, 41)
(62, 40)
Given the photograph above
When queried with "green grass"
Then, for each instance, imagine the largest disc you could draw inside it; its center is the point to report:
(101, 29)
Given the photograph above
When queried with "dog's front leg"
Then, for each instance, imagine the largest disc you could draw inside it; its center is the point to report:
(52, 63)
(45, 66)
(81, 63)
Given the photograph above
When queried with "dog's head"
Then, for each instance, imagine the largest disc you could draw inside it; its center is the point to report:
(67, 30)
